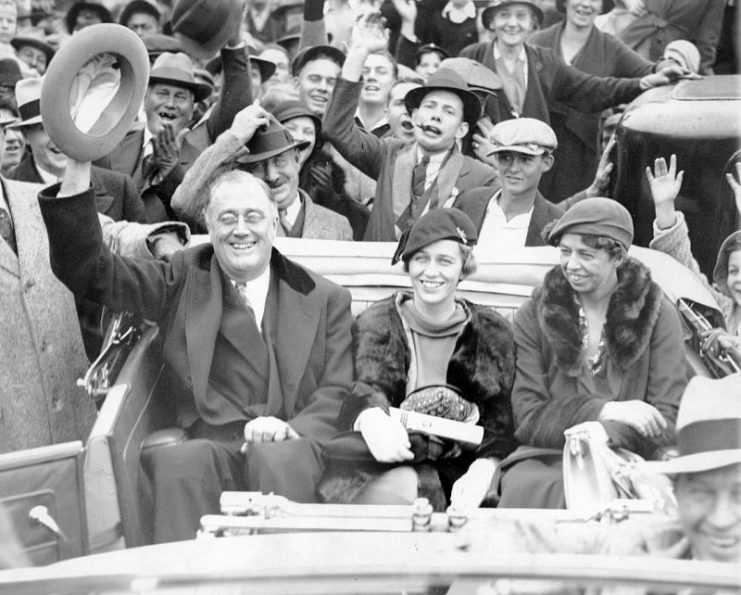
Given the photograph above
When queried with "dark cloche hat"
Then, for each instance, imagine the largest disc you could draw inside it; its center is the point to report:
(595, 216)
(138, 7)
(433, 226)
(70, 18)
(312, 53)
(446, 79)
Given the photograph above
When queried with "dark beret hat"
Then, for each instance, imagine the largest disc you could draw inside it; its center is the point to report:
(595, 216)
(435, 225)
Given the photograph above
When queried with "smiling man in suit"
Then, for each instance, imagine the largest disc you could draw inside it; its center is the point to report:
(257, 349)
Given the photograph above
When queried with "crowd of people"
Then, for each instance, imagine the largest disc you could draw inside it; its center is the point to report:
(453, 129)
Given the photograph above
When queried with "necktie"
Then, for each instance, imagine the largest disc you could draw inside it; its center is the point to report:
(419, 177)
(284, 223)
(6, 230)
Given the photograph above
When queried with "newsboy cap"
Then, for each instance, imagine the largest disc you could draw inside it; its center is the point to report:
(595, 216)
(523, 135)
(435, 225)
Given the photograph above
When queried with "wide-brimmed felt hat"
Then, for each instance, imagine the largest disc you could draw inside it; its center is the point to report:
(595, 216)
(477, 76)
(295, 108)
(446, 79)
(93, 139)
(523, 135)
(35, 38)
(177, 70)
(204, 26)
(314, 52)
(70, 18)
(267, 67)
(5, 120)
(488, 13)
(270, 141)
(290, 38)
(433, 226)
(708, 427)
(28, 97)
(10, 72)
(138, 7)
(720, 272)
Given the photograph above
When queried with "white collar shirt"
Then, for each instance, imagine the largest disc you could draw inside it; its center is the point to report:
(293, 210)
(433, 167)
(256, 293)
(458, 15)
(148, 144)
(497, 235)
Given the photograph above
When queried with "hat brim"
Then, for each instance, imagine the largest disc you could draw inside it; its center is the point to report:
(19, 42)
(267, 68)
(471, 103)
(119, 115)
(23, 123)
(695, 463)
(488, 13)
(311, 54)
(200, 91)
(255, 157)
(521, 149)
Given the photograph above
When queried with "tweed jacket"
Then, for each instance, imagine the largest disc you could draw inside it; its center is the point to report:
(474, 203)
(551, 80)
(390, 163)
(311, 370)
(645, 360)
(128, 157)
(115, 194)
(190, 198)
(577, 132)
(482, 368)
(41, 351)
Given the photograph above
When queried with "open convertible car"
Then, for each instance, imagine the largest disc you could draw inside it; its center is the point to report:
(74, 499)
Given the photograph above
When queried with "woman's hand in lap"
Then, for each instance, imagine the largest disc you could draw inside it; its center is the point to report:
(639, 415)
(386, 438)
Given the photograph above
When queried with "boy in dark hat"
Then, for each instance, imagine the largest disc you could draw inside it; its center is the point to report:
(412, 178)
(142, 17)
(83, 14)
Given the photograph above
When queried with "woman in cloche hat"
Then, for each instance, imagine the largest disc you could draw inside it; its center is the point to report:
(598, 341)
(432, 352)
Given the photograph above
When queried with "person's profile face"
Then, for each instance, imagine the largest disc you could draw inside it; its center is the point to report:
(315, 83)
(439, 120)
(242, 222)
(168, 104)
(710, 512)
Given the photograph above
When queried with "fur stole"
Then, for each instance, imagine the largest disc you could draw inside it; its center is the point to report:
(632, 312)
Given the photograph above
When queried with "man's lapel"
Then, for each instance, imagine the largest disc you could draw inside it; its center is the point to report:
(202, 323)
(453, 169)
(8, 259)
(30, 234)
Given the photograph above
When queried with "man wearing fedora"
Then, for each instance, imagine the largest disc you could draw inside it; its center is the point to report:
(273, 156)
(256, 348)
(115, 194)
(158, 154)
(33, 50)
(412, 178)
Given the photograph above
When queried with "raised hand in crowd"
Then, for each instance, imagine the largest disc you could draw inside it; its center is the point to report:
(166, 148)
(248, 120)
(368, 35)
(665, 184)
(407, 10)
(482, 146)
(601, 182)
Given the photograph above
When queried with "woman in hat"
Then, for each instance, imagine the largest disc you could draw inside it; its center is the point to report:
(585, 47)
(459, 354)
(671, 236)
(598, 341)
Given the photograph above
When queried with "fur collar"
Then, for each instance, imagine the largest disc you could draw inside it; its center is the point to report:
(632, 312)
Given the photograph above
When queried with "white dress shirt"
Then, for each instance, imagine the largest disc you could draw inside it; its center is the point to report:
(498, 235)
(256, 293)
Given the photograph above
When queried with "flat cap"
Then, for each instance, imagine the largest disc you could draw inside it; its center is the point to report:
(433, 226)
(523, 135)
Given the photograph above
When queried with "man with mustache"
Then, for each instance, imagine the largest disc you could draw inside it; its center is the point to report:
(412, 178)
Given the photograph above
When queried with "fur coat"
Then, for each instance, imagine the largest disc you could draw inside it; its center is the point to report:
(482, 368)
(645, 360)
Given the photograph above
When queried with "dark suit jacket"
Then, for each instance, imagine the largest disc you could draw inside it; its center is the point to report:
(551, 80)
(577, 132)
(115, 194)
(312, 369)
(390, 162)
(474, 202)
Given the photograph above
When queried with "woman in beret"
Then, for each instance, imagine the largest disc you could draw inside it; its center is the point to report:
(598, 341)
(428, 337)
